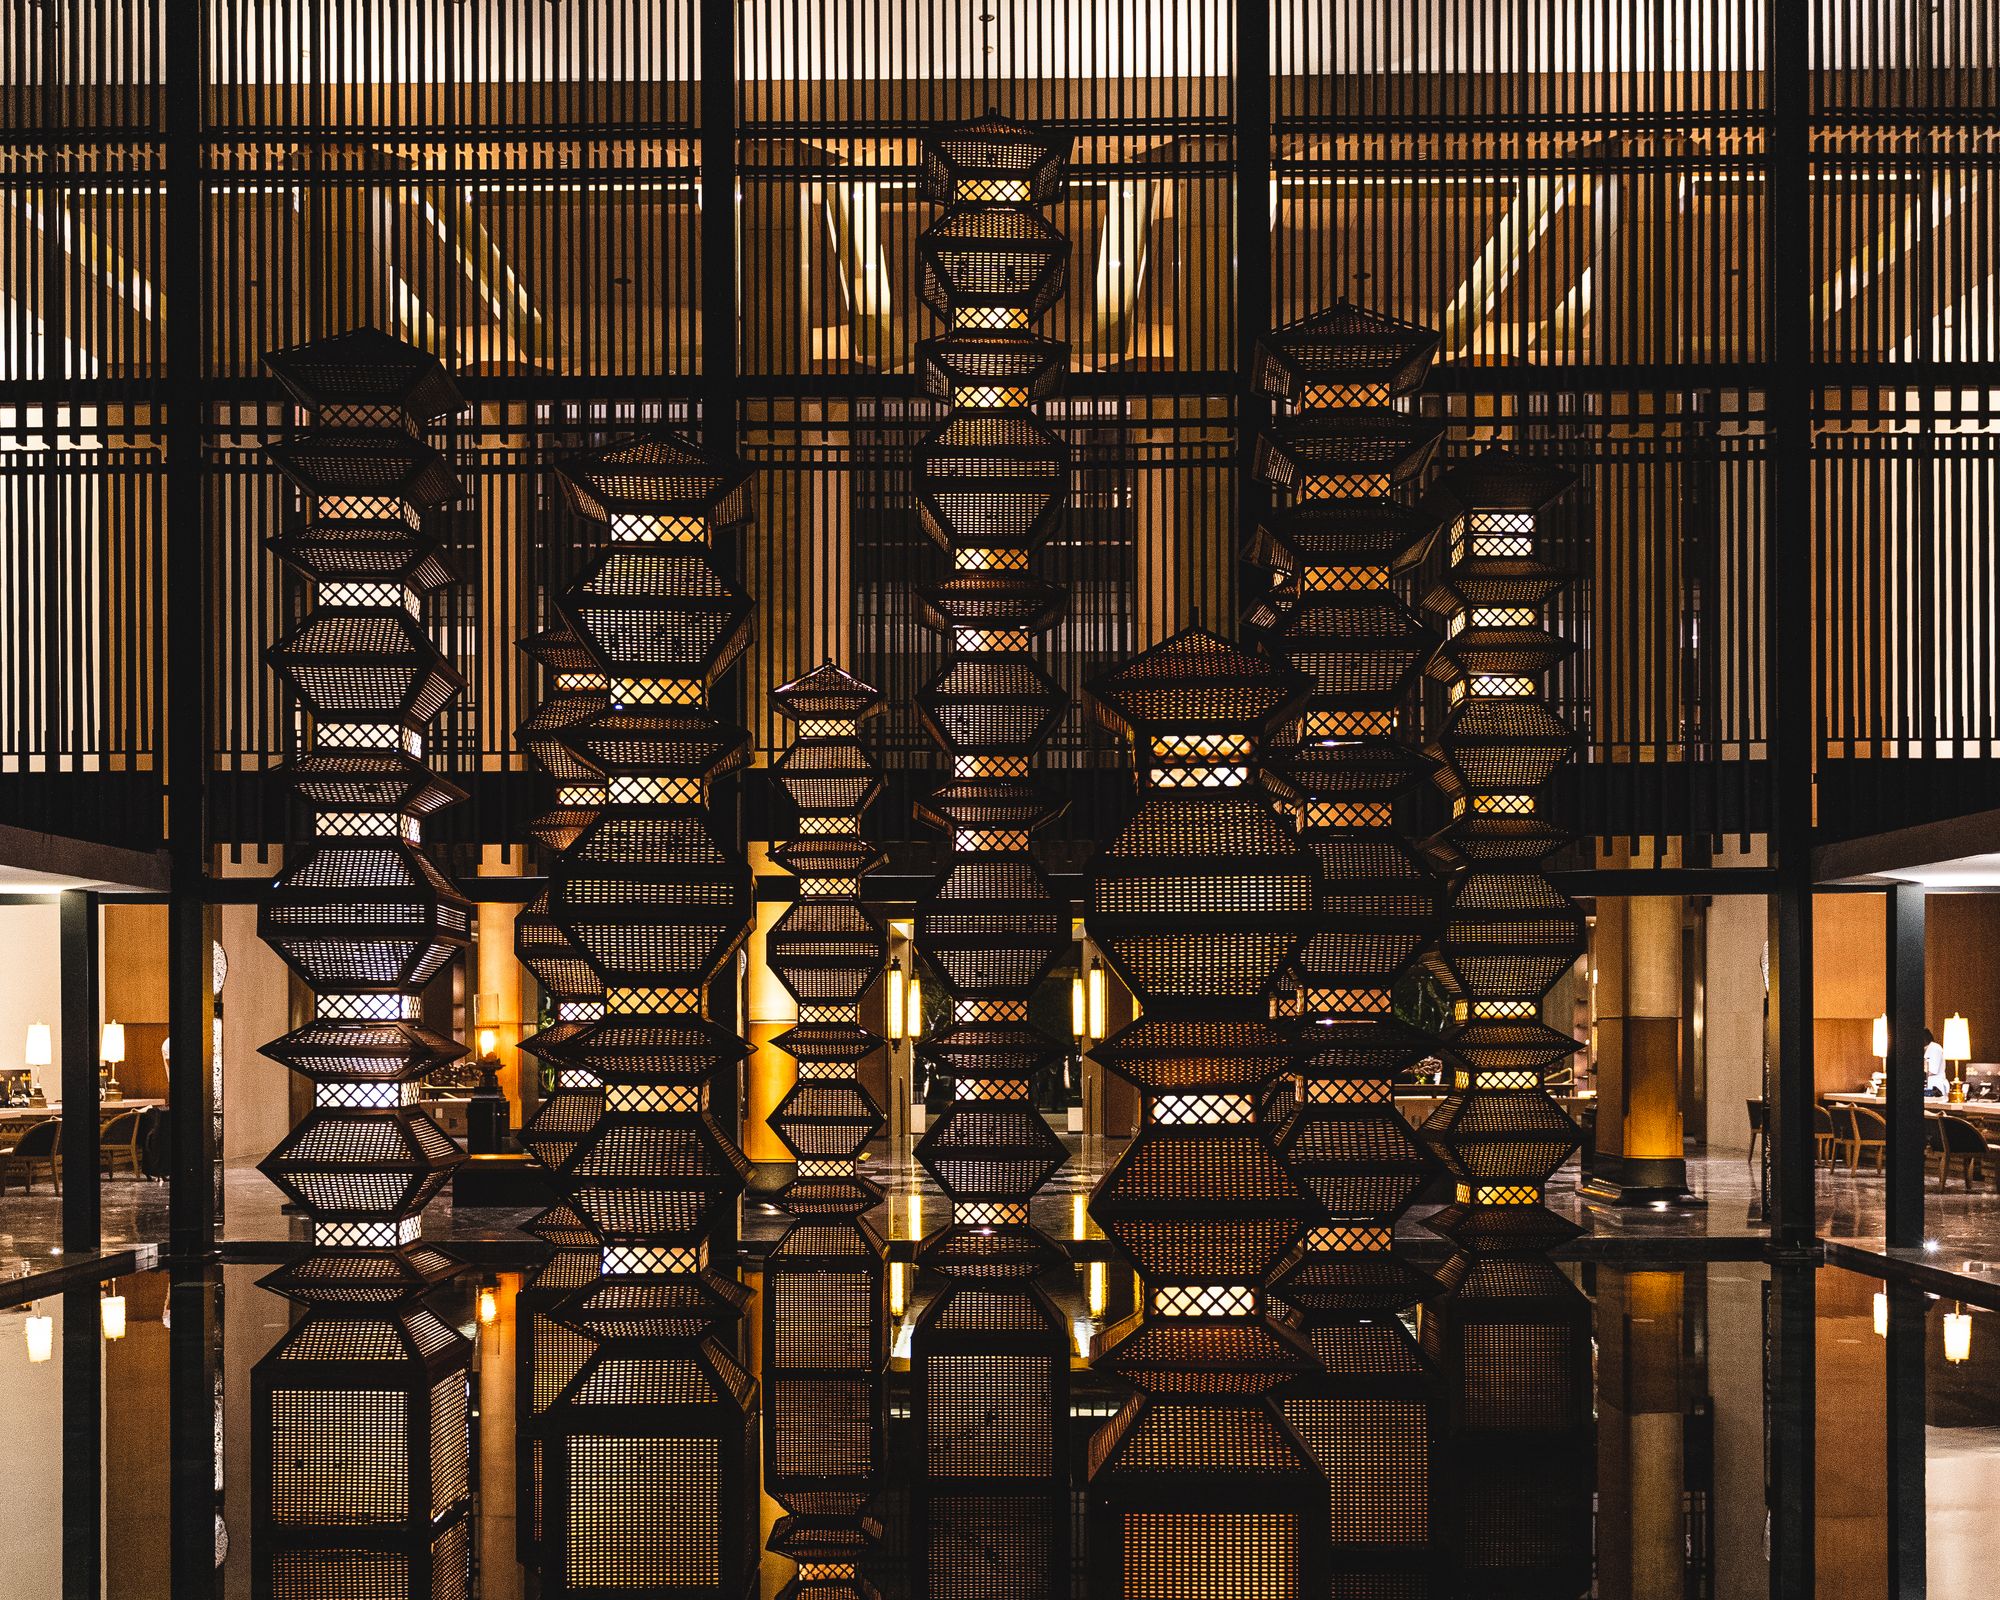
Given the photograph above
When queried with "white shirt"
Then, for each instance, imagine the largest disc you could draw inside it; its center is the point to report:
(1935, 1083)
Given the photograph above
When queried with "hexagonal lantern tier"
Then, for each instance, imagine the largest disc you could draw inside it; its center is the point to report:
(1347, 463)
(826, 1310)
(1199, 902)
(646, 905)
(358, 911)
(1509, 935)
(989, 487)
(361, 1410)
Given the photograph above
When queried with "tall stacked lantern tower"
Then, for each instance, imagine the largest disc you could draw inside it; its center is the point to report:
(826, 1346)
(1199, 1486)
(657, 899)
(990, 1353)
(1348, 462)
(1512, 1334)
(360, 1435)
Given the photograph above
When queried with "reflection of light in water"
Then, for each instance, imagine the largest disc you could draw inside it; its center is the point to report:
(904, 1334)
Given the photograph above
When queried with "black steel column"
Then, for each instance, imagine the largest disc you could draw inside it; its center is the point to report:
(191, 1431)
(1253, 264)
(1905, 1361)
(1903, 1159)
(1791, 713)
(719, 407)
(83, 1447)
(78, 920)
(190, 1004)
(1790, 1396)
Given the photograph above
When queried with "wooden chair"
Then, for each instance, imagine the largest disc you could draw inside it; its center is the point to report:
(118, 1144)
(1961, 1140)
(1871, 1138)
(1826, 1146)
(1758, 1112)
(40, 1146)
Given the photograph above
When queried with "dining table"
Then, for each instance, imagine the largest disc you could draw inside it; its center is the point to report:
(1975, 1110)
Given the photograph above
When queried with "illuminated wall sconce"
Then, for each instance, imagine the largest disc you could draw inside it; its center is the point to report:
(1958, 1334)
(913, 1017)
(41, 1335)
(898, 1288)
(897, 1003)
(111, 1312)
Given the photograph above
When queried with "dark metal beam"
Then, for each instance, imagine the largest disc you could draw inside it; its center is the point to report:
(190, 1001)
(82, 1446)
(78, 957)
(1908, 1306)
(1253, 263)
(1787, 667)
(1903, 1159)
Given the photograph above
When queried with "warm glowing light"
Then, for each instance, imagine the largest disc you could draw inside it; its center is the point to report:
(489, 1307)
(1958, 1335)
(1880, 1042)
(1957, 1038)
(1882, 1313)
(1097, 1293)
(1097, 1002)
(111, 1046)
(111, 1312)
(489, 1042)
(896, 1290)
(913, 1017)
(916, 1214)
(895, 1002)
(1076, 1216)
(40, 1048)
(41, 1333)
(1077, 1025)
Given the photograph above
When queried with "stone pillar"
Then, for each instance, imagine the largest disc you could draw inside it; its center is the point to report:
(771, 1072)
(1638, 1156)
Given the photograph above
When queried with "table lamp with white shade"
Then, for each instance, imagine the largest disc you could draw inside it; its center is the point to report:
(39, 1053)
(1878, 1047)
(111, 1051)
(1957, 1051)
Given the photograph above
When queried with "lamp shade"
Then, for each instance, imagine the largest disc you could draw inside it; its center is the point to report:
(40, 1048)
(1958, 1335)
(111, 1045)
(1879, 1042)
(1957, 1038)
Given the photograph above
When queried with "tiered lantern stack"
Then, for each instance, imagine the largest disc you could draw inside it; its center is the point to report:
(1349, 462)
(360, 1410)
(1512, 1335)
(991, 1352)
(660, 1414)
(826, 1344)
(548, 1353)
(1199, 1487)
